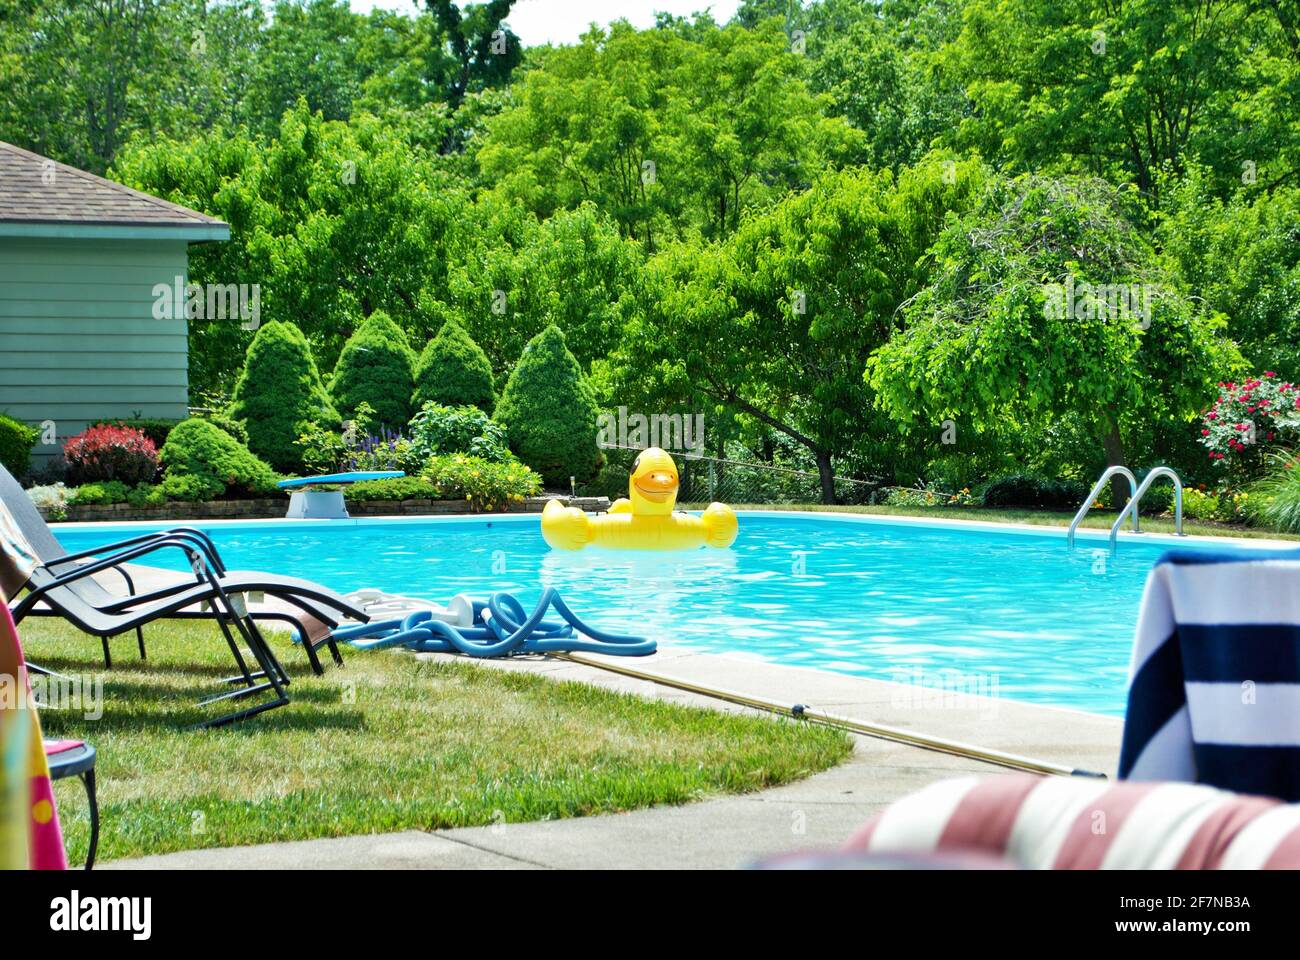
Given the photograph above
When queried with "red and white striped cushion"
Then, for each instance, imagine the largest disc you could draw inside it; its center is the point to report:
(1071, 824)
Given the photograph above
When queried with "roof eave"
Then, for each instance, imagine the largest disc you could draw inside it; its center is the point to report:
(195, 232)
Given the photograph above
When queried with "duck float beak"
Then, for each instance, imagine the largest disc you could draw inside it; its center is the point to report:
(657, 486)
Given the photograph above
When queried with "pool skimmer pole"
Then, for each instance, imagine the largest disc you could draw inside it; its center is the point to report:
(880, 731)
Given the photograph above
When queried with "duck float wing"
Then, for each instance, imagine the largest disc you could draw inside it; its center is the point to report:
(565, 528)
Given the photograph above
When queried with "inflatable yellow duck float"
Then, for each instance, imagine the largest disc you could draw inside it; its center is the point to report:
(645, 520)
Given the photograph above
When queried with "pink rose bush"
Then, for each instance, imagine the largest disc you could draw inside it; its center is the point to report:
(1249, 417)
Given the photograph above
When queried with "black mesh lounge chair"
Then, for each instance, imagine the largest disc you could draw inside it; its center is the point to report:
(65, 586)
(59, 592)
(313, 611)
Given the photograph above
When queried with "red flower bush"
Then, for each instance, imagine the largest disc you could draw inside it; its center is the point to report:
(111, 452)
(1251, 416)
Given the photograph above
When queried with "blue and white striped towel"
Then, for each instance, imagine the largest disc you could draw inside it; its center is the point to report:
(1214, 695)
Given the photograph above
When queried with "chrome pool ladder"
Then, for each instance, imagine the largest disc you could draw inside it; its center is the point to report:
(1130, 510)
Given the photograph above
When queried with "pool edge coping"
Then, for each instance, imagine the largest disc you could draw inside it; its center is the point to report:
(1082, 535)
(1062, 735)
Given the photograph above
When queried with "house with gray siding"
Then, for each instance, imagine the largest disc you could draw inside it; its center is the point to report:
(80, 260)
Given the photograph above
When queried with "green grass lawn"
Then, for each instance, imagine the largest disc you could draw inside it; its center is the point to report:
(1096, 519)
(386, 743)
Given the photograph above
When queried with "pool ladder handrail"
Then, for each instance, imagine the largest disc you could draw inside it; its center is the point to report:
(1132, 506)
(1092, 498)
(1136, 493)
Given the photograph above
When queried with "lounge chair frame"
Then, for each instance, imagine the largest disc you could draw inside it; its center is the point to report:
(105, 623)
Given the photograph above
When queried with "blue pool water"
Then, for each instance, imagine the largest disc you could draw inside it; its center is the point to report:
(1015, 615)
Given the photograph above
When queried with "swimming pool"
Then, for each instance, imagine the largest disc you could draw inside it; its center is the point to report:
(953, 605)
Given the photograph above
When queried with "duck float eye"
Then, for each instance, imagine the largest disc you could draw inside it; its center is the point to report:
(645, 519)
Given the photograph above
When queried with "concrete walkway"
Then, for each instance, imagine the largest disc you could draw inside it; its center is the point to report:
(731, 831)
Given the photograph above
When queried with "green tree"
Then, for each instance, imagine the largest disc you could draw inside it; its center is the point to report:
(72, 69)
(550, 413)
(778, 323)
(484, 51)
(1047, 304)
(1124, 90)
(279, 393)
(667, 130)
(1242, 258)
(330, 219)
(308, 51)
(376, 367)
(80, 78)
(878, 66)
(509, 277)
(454, 371)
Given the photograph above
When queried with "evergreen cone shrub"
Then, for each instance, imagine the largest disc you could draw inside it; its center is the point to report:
(375, 367)
(201, 459)
(454, 371)
(278, 393)
(549, 412)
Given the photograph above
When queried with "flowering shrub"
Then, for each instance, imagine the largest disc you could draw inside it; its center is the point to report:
(483, 484)
(111, 452)
(355, 448)
(929, 497)
(437, 430)
(385, 450)
(1221, 505)
(53, 499)
(486, 485)
(1249, 416)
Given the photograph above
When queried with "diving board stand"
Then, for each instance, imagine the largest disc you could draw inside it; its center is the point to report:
(308, 504)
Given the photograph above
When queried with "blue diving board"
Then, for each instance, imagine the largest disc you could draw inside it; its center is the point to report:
(307, 504)
(341, 478)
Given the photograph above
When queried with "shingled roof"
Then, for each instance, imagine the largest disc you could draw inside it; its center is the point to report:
(41, 197)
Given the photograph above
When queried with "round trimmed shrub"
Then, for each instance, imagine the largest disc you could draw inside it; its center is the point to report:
(110, 452)
(1027, 490)
(454, 371)
(438, 430)
(16, 443)
(549, 412)
(375, 367)
(202, 461)
(278, 393)
(223, 420)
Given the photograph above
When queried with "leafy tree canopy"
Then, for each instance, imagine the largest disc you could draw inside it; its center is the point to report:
(1046, 302)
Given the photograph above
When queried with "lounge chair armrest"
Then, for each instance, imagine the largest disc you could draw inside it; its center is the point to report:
(195, 555)
(130, 582)
(111, 550)
(214, 557)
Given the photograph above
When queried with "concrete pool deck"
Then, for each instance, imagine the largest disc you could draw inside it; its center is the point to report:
(726, 831)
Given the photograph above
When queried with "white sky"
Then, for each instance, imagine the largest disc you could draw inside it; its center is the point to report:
(563, 21)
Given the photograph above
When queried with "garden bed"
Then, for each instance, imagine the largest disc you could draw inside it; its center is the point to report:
(270, 507)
